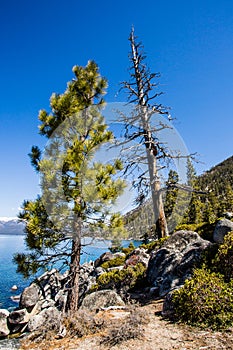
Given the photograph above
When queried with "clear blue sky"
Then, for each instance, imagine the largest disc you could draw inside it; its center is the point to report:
(189, 42)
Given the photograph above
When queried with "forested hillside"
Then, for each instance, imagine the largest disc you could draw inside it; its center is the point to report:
(212, 198)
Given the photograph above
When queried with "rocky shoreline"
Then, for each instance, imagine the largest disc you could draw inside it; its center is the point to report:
(166, 267)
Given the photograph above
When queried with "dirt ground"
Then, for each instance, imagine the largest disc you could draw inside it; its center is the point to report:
(158, 334)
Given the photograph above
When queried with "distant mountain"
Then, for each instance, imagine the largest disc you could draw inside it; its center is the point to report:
(11, 226)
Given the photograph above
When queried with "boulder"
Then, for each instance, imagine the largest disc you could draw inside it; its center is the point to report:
(14, 288)
(221, 229)
(99, 271)
(50, 283)
(4, 330)
(17, 320)
(48, 318)
(168, 307)
(228, 215)
(18, 317)
(87, 278)
(173, 263)
(61, 300)
(45, 304)
(101, 299)
(139, 255)
(29, 297)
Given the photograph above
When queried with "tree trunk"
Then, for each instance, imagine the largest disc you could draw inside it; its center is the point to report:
(73, 293)
(151, 149)
(157, 201)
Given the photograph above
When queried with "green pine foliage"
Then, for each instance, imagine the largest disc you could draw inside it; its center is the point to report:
(77, 190)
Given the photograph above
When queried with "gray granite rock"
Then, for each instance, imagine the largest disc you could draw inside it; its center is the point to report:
(4, 330)
(48, 318)
(173, 263)
(221, 229)
(101, 299)
(30, 296)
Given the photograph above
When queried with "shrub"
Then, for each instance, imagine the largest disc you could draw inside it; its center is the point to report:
(205, 301)
(223, 262)
(204, 229)
(83, 323)
(208, 256)
(154, 245)
(129, 328)
(122, 279)
(129, 249)
(118, 261)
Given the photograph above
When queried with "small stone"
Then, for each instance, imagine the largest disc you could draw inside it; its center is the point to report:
(14, 287)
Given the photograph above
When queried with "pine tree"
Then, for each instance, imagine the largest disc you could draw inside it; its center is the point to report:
(196, 207)
(77, 190)
(191, 173)
(172, 193)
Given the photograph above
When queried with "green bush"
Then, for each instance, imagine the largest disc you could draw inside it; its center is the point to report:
(128, 249)
(118, 261)
(205, 301)
(122, 279)
(154, 244)
(223, 262)
(204, 229)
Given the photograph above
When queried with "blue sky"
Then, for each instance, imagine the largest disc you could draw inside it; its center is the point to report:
(189, 42)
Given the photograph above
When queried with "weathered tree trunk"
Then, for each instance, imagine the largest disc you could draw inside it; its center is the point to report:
(157, 202)
(73, 293)
(151, 149)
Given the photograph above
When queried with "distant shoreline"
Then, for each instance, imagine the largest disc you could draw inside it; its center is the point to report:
(12, 234)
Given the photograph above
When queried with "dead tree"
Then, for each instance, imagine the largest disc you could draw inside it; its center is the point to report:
(140, 129)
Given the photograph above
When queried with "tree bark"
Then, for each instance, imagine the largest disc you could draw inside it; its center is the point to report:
(73, 293)
(157, 202)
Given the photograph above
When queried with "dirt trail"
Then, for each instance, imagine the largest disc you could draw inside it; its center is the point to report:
(159, 334)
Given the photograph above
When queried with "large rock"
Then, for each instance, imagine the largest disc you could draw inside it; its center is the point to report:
(4, 330)
(87, 278)
(50, 283)
(101, 299)
(223, 227)
(173, 263)
(18, 317)
(29, 297)
(48, 319)
(17, 320)
(139, 255)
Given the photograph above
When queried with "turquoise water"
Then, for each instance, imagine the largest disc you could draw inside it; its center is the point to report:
(11, 244)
